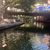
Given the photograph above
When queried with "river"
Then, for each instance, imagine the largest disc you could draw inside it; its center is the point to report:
(13, 39)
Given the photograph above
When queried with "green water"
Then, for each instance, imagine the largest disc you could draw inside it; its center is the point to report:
(29, 38)
(22, 40)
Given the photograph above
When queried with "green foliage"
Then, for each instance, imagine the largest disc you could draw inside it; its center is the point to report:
(23, 4)
(11, 3)
(26, 5)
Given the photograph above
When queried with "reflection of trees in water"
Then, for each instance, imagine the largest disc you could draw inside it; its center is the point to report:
(39, 43)
(16, 40)
(0, 41)
(21, 44)
(19, 40)
(49, 42)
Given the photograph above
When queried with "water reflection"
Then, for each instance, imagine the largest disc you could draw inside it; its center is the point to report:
(21, 40)
(38, 25)
(40, 42)
(34, 24)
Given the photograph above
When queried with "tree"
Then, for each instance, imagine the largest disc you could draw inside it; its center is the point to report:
(26, 5)
(4, 4)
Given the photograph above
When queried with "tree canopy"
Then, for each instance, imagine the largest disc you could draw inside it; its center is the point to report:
(26, 5)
